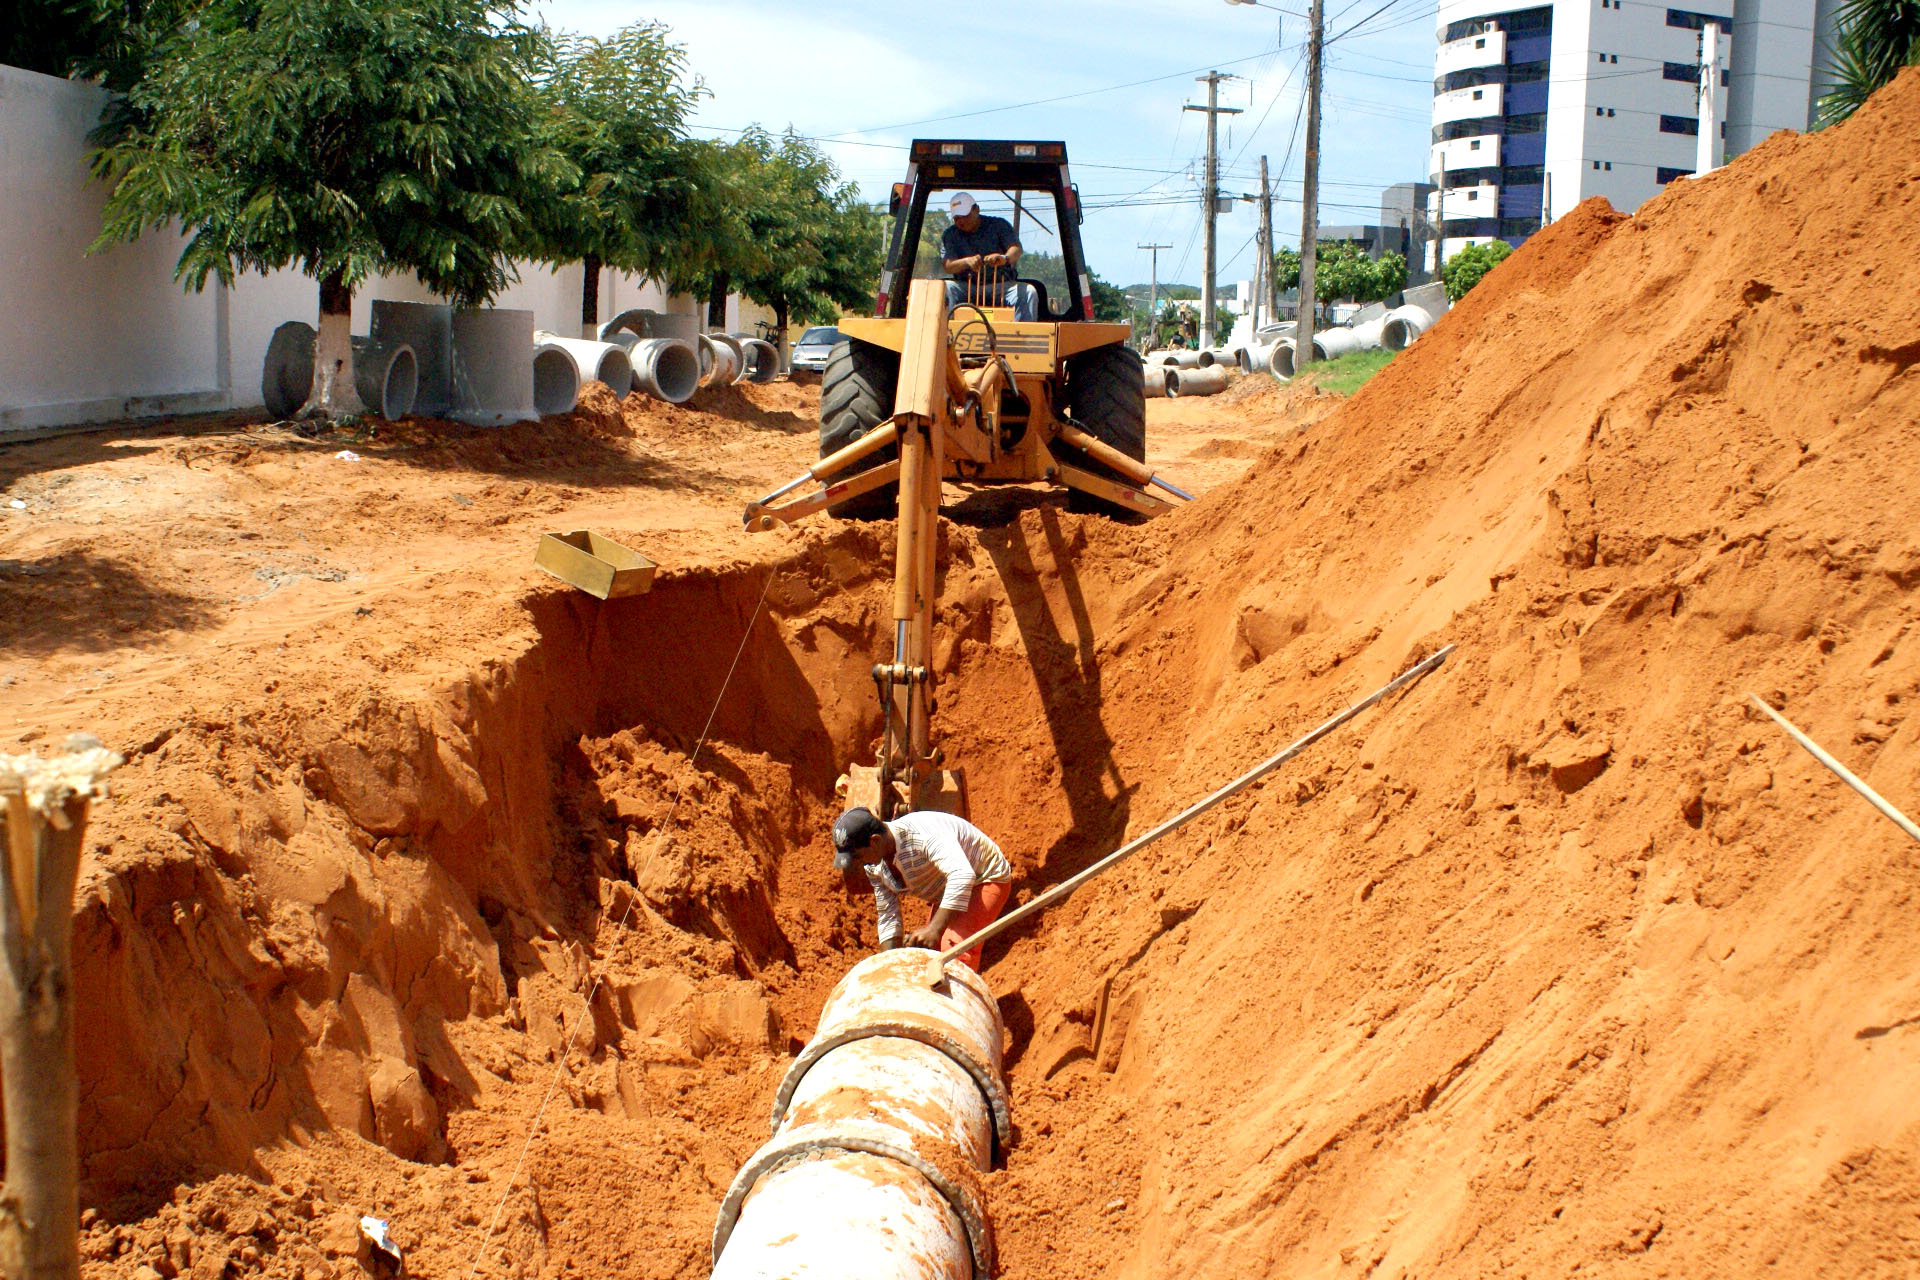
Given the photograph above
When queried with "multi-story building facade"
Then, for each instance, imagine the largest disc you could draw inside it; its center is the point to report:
(1539, 107)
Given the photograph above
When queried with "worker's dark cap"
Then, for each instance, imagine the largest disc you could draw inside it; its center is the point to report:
(852, 831)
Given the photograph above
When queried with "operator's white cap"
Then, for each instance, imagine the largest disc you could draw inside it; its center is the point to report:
(961, 205)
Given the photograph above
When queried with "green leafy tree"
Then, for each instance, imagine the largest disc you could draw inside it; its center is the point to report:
(782, 228)
(615, 110)
(1465, 268)
(1341, 271)
(1876, 38)
(344, 137)
(110, 41)
(1109, 304)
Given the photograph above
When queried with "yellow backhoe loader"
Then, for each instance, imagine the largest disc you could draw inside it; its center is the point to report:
(915, 396)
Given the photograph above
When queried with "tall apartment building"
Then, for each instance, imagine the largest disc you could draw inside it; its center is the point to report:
(1537, 108)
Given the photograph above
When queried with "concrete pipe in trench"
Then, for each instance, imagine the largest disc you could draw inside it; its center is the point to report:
(592, 362)
(1210, 381)
(665, 368)
(1402, 326)
(882, 1128)
(1157, 376)
(427, 327)
(493, 367)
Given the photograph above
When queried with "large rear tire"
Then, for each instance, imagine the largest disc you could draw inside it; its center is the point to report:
(856, 395)
(1107, 399)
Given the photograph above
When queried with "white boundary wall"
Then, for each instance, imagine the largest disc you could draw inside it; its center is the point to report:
(93, 339)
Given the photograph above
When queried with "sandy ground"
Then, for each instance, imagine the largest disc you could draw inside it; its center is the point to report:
(246, 612)
(1563, 961)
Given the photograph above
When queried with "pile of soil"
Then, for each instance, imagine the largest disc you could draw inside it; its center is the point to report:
(1561, 961)
(1565, 960)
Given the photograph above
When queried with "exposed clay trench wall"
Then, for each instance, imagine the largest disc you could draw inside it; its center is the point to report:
(323, 890)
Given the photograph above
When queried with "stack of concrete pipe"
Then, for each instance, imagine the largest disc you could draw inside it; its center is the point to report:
(882, 1130)
(386, 374)
(1228, 355)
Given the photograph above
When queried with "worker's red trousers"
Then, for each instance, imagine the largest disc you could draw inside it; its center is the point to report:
(983, 908)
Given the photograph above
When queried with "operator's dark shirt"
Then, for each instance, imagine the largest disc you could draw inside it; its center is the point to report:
(993, 235)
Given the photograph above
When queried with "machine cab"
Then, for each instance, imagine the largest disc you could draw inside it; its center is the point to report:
(1024, 182)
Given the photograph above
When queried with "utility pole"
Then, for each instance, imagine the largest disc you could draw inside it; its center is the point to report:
(1153, 291)
(1706, 156)
(1263, 291)
(1310, 193)
(1212, 193)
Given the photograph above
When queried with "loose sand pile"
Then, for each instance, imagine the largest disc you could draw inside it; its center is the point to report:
(1567, 961)
(1563, 961)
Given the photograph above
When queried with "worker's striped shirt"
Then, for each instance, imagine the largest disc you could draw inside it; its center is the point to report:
(941, 858)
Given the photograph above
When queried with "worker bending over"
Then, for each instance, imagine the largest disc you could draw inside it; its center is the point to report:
(946, 860)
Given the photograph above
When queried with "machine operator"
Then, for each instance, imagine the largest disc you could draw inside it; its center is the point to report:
(980, 253)
(935, 856)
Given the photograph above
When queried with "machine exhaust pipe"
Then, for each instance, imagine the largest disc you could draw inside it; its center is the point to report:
(882, 1128)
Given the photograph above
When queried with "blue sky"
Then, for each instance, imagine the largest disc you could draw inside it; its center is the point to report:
(867, 76)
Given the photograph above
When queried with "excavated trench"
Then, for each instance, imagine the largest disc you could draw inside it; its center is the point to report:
(375, 921)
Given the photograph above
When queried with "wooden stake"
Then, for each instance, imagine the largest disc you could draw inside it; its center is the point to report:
(46, 821)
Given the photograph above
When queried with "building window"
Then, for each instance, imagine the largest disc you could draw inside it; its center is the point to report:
(1609, 166)
(1609, 113)
(1688, 20)
(1474, 145)
(1600, 57)
(1682, 71)
(1663, 175)
(1680, 124)
(1614, 58)
(1599, 111)
(1481, 43)
(1596, 164)
(1479, 94)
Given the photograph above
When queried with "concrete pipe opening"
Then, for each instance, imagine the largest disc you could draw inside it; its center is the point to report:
(665, 369)
(387, 376)
(1157, 377)
(1402, 326)
(556, 381)
(1280, 360)
(427, 327)
(719, 361)
(492, 367)
(762, 360)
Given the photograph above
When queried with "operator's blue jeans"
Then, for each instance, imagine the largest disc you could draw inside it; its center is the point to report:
(1020, 297)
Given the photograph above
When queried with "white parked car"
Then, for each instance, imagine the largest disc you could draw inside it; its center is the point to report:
(815, 345)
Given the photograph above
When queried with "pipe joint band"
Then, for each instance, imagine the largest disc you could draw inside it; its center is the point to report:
(991, 1087)
(945, 1168)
